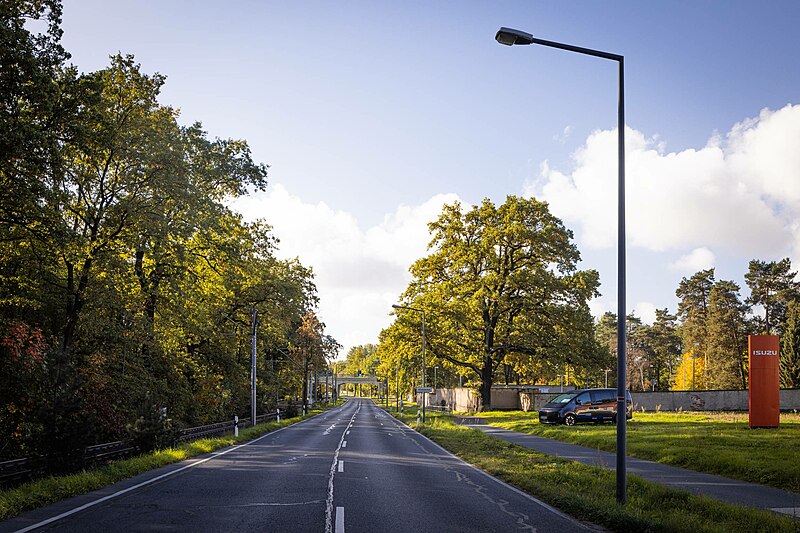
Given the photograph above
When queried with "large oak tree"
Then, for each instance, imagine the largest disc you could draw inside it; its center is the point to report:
(501, 281)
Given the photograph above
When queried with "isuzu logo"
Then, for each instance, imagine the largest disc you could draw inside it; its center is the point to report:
(764, 352)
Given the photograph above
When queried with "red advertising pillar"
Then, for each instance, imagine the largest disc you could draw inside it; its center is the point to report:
(764, 398)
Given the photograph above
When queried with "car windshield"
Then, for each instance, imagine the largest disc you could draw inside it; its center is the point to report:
(563, 398)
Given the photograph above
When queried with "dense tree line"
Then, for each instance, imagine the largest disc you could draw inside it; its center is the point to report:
(126, 284)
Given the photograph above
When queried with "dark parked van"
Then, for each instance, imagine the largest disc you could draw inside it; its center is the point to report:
(588, 405)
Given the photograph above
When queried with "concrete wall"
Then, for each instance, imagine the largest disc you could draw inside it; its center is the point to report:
(459, 398)
(718, 400)
(468, 400)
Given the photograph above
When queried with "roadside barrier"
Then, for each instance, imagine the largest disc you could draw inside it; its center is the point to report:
(18, 471)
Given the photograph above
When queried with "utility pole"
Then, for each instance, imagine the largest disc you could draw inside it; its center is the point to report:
(254, 317)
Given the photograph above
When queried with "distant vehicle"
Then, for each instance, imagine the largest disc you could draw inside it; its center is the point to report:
(586, 405)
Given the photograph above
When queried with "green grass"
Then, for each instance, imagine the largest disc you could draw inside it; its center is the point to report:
(717, 443)
(588, 493)
(55, 488)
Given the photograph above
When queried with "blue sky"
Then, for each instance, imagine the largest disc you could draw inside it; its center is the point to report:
(371, 114)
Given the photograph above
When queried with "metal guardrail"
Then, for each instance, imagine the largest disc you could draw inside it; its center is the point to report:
(19, 470)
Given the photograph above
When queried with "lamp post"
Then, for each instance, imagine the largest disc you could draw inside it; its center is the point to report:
(423, 349)
(509, 37)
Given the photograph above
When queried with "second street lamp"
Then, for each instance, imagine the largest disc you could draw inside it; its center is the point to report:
(510, 37)
(423, 349)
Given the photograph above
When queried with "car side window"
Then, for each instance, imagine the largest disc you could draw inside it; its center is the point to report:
(583, 398)
(603, 396)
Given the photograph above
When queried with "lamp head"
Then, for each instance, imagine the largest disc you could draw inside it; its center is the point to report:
(510, 37)
(397, 306)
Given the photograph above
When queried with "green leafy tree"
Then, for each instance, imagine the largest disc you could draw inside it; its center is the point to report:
(694, 293)
(727, 338)
(666, 346)
(772, 284)
(790, 348)
(503, 280)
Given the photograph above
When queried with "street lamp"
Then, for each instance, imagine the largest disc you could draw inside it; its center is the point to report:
(396, 306)
(509, 37)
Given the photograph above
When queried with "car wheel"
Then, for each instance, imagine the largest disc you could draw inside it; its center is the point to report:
(569, 419)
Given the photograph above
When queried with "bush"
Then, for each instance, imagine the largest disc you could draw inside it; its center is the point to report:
(152, 430)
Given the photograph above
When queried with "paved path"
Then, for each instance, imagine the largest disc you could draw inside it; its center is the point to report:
(716, 487)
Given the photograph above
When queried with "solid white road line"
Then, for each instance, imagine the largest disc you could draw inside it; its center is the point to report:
(339, 520)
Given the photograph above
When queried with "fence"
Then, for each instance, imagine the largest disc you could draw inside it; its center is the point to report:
(17, 471)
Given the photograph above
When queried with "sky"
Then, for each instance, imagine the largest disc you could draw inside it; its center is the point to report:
(373, 114)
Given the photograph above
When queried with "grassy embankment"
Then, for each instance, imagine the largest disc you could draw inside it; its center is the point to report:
(588, 493)
(717, 443)
(48, 490)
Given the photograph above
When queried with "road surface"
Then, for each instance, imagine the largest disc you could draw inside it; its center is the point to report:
(353, 468)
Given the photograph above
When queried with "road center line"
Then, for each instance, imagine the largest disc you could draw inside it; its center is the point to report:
(339, 520)
(341, 466)
(329, 503)
(344, 444)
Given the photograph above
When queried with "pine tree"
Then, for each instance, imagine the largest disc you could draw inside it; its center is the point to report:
(790, 348)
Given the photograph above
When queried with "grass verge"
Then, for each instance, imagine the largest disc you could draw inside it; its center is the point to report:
(716, 443)
(48, 490)
(588, 493)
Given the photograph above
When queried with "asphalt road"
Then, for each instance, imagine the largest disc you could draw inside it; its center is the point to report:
(353, 468)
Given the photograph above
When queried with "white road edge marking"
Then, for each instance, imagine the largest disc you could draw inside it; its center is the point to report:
(329, 502)
(339, 520)
(499, 481)
(147, 482)
(341, 466)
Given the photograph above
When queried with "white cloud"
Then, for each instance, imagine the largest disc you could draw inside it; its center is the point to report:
(359, 273)
(696, 260)
(740, 193)
(646, 311)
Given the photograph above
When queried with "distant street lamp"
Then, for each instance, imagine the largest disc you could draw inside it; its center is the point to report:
(396, 306)
(509, 37)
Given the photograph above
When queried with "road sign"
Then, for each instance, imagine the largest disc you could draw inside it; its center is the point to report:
(424, 389)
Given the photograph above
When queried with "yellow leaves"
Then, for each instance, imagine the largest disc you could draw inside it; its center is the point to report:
(690, 374)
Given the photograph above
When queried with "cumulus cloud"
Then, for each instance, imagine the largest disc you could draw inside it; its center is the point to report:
(739, 193)
(696, 260)
(646, 311)
(359, 272)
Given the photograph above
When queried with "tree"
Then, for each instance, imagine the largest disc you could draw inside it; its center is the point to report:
(694, 293)
(501, 281)
(35, 106)
(665, 344)
(771, 285)
(312, 348)
(690, 374)
(790, 348)
(727, 339)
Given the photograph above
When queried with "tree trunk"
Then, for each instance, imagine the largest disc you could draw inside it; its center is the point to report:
(486, 383)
